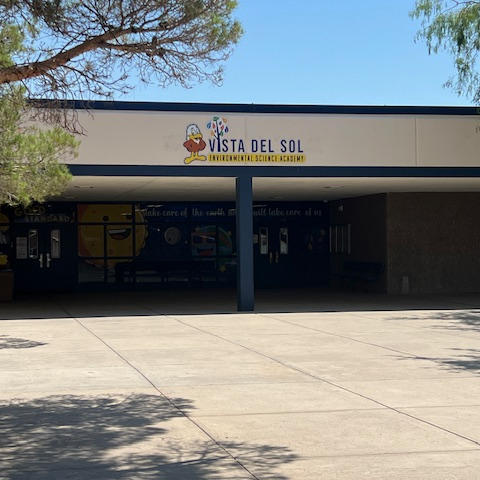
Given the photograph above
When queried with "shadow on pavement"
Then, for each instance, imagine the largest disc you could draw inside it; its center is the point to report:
(12, 342)
(467, 360)
(206, 301)
(119, 437)
(454, 322)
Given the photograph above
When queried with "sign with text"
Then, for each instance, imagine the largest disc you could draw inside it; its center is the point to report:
(223, 147)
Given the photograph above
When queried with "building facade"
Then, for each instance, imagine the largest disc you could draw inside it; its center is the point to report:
(257, 196)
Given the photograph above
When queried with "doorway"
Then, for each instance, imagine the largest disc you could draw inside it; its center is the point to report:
(290, 254)
(45, 258)
(273, 255)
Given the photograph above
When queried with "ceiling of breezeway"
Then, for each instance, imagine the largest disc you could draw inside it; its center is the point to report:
(118, 189)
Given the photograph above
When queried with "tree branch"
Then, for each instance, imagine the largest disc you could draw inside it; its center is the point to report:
(35, 69)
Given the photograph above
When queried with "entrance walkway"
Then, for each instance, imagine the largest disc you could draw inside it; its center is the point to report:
(178, 385)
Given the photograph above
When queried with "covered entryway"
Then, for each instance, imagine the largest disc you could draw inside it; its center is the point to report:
(293, 191)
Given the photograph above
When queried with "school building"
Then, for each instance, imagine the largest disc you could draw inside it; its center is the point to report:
(384, 199)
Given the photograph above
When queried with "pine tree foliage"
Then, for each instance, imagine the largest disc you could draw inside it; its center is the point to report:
(55, 51)
(97, 49)
(31, 157)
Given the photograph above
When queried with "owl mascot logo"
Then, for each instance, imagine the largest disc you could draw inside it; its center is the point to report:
(194, 144)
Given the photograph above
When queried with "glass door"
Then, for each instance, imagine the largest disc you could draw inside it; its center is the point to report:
(44, 258)
(274, 256)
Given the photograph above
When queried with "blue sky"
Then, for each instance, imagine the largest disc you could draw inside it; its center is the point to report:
(330, 52)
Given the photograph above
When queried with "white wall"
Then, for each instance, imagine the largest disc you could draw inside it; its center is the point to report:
(156, 138)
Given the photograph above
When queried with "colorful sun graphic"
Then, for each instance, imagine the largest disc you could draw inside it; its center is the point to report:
(111, 227)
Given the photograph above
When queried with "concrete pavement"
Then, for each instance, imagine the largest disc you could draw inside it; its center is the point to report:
(313, 385)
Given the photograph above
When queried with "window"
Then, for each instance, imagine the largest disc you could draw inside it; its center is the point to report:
(340, 238)
(33, 244)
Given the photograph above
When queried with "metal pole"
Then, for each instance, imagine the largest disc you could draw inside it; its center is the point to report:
(245, 275)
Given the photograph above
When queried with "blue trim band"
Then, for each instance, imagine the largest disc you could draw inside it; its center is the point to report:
(265, 108)
(271, 171)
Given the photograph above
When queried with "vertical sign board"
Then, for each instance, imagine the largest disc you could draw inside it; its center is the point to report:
(21, 248)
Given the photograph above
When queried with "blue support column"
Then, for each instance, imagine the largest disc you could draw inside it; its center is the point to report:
(245, 277)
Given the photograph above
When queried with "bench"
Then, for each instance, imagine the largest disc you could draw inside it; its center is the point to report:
(360, 272)
(166, 271)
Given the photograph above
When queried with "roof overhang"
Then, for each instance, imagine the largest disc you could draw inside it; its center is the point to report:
(177, 188)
